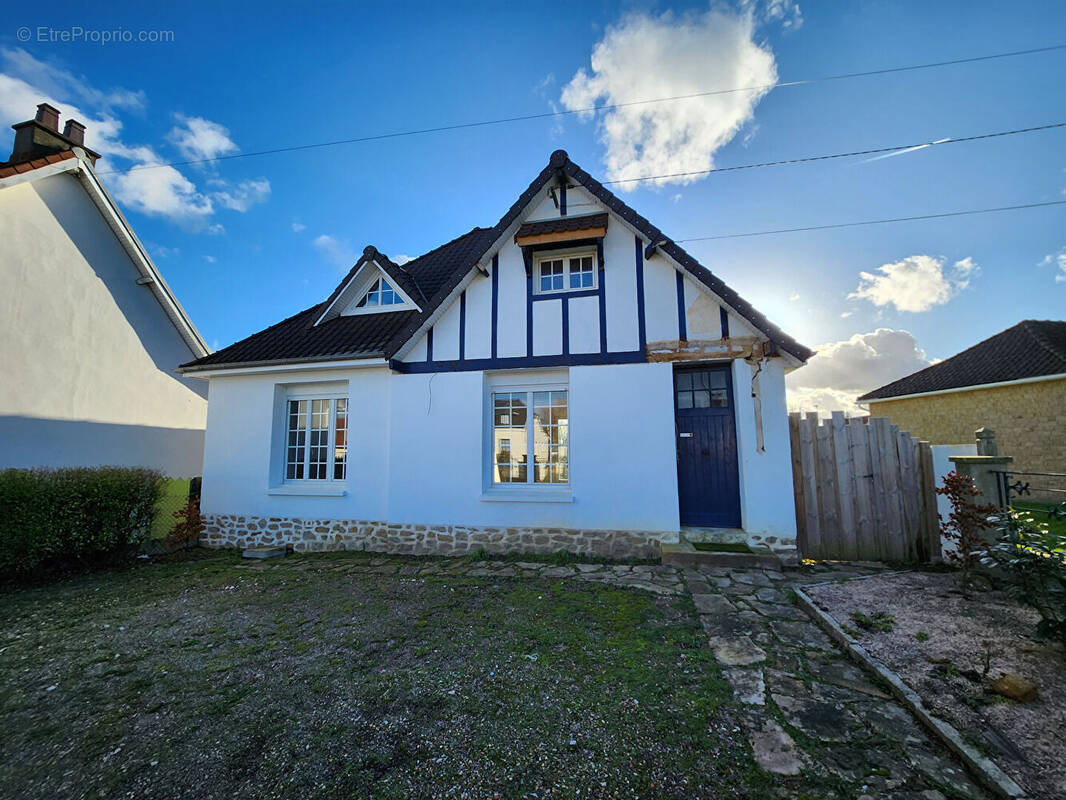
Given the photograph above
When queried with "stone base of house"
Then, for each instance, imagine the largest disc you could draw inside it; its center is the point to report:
(314, 535)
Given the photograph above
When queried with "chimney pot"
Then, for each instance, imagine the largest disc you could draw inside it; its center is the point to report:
(48, 116)
(74, 131)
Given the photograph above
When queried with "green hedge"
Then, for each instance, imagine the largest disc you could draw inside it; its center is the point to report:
(84, 515)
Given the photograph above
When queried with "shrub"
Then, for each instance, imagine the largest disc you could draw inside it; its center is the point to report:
(187, 531)
(79, 514)
(966, 523)
(1032, 560)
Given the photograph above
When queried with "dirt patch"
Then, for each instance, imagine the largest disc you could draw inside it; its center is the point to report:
(355, 677)
(950, 649)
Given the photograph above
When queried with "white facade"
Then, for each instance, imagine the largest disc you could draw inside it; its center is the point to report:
(422, 448)
(89, 354)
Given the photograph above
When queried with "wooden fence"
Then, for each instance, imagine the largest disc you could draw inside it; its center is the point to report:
(864, 490)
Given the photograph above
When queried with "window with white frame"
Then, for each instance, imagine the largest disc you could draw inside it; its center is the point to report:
(316, 439)
(530, 436)
(564, 272)
(380, 293)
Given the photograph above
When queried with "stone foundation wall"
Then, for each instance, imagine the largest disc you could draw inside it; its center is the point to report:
(311, 535)
(780, 546)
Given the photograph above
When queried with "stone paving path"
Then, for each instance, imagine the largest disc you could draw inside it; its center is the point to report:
(806, 708)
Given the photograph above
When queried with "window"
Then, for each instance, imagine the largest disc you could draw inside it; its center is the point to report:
(531, 437)
(565, 272)
(702, 389)
(316, 439)
(380, 294)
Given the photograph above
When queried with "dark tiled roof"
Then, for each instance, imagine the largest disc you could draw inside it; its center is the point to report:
(1031, 349)
(437, 273)
(363, 335)
(563, 225)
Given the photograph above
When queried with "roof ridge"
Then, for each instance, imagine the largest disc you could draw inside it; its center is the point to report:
(475, 229)
(1031, 327)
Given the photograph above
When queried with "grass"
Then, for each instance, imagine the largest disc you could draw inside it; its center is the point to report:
(315, 676)
(879, 621)
(1056, 525)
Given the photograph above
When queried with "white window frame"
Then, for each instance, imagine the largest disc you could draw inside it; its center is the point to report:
(530, 491)
(365, 283)
(310, 394)
(565, 256)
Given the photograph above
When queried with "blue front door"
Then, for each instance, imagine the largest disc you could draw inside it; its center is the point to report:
(708, 483)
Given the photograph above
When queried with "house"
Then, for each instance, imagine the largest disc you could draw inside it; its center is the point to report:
(1013, 383)
(92, 334)
(569, 378)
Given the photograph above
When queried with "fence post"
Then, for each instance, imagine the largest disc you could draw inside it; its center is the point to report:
(797, 482)
(930, 538)
(984, 469)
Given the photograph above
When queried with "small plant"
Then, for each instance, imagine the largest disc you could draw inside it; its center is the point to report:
(187, 531)
(988, 652)
(965, 524)
(1032, 559)
(922, 636)
(879, 621)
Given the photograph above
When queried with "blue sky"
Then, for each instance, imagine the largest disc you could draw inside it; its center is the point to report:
(240, 240)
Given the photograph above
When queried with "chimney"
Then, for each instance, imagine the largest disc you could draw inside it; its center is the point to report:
(40, 136)
(48, 116)
(74, 131)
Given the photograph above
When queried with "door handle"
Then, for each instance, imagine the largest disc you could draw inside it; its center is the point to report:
(705, 452)
(685, 435)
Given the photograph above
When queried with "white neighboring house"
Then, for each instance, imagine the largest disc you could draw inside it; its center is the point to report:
(567, 379)
(90, 334)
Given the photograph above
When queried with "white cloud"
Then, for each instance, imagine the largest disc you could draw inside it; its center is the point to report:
(402, 259)
(298, 227)
(793, 297)
(846, 314)
(198, 138)
(161, 191)
(647, 57)
(787, 12)
(335, 250)
(216, 229)
(916, 283)
(1057, 260)
(210, 259)
(240, 196)
(841, 371)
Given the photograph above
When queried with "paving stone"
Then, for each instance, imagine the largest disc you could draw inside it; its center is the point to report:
(801, 634)
(891, 720)
(736, 651)
(725, 625)
(777, 611)
(825, 721)
(771, 596)
(737, 589)
(532, 565)
(774, 749)
(721, 581)
(940, 770)
(713, 604)
(558, 572)
(587, 568)
(748, 685)
(752, 578)
(648, 586)
(782, 682)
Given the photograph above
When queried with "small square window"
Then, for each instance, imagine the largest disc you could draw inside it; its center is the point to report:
(565, 273)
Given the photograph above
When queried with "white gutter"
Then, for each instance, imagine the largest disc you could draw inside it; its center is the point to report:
(280, 366)
(1017, 382)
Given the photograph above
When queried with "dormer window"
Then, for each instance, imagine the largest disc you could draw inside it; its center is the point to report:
(380, 293)
(572, 271)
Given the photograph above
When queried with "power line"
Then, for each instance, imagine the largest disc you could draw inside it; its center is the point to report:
(869, 222)
(606, 107)
(809, 159)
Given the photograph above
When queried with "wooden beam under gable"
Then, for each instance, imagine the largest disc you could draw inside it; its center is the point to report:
(708, 349)
(560, 236)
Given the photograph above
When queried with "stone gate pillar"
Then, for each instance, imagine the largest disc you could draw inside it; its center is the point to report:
(984, 468)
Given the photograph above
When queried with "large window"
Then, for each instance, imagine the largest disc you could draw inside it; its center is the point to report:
(316, 439)
(380, 293)
(565, 272)
(531, 437)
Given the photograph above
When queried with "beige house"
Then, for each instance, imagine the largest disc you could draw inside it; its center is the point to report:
(1014, 383)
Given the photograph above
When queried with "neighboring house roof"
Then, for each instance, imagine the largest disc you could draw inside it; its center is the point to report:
(440, 272)
(1031, 349)
(7, 168)
(15, 173)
